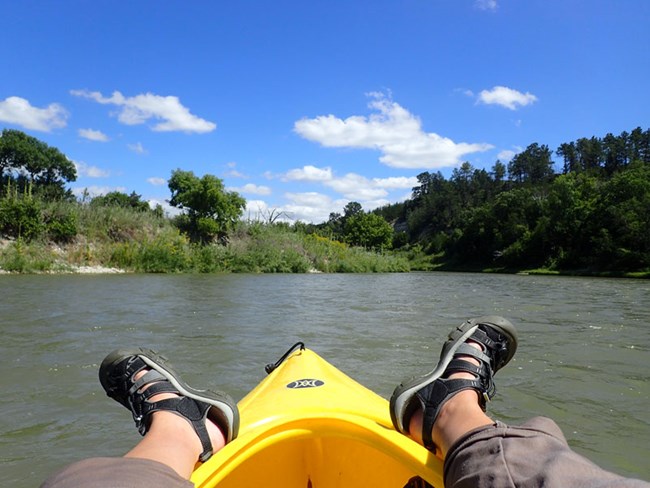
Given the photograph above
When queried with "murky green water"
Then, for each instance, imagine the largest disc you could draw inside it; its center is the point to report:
(584, 356)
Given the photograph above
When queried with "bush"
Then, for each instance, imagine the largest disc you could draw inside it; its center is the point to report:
(21, 218)
(21, 258)
(61, 223)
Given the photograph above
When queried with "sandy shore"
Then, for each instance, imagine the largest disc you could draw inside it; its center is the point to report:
(78, 270)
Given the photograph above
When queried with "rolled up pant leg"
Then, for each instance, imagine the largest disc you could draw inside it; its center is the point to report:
(535, 454)
(117, 473)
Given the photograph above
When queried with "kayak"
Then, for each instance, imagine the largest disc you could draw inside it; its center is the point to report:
(308, 424)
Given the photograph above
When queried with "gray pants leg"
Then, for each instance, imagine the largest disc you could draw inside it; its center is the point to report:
(117, 473)
(535, 454)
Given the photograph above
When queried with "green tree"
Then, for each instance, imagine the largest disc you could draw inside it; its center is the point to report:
(209, 210)
(368, 230)
(623, 210)
(119, 199)
(47, 167)
(533, 165)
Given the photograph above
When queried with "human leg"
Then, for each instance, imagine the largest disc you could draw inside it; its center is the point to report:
(448, 407)
(182, 425)
(454, 394)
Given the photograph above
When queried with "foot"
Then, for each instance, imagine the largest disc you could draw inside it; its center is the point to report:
(470, 357)
(145, 383)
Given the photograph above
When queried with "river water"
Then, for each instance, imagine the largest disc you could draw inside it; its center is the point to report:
(583, 358)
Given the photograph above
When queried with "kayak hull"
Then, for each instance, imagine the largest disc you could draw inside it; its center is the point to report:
(308, 424)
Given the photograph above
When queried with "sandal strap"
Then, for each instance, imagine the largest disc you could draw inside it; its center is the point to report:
(194, 411)
(434, 396)
(139, 404)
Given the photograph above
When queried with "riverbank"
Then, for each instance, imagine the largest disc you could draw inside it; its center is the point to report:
(256, 249)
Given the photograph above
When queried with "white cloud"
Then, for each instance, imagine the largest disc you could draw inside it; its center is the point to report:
(311, 206)
(93, 135)
(95, 191)
(395, 183)
(84, 169)
(173, 116)
(351, 186)
(253, 189)
(233, 172)
(167, 208)
(309, 173)
(392, 130)
(18, 111)
(507, 154)
(137, 148)
(486, 4)
(156, 181)
(506, 97)
(356, 187)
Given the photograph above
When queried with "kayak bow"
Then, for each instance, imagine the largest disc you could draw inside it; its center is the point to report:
(308, 424)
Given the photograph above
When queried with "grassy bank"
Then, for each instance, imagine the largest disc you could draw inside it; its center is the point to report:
(124, 239)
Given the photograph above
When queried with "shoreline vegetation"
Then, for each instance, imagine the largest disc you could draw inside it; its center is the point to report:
(592, 219)
(137, 243)
(146, 243)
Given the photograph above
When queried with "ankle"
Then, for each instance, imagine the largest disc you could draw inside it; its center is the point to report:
(459, 415)
(179, 428)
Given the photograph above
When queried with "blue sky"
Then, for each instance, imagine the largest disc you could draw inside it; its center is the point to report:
(303, 106)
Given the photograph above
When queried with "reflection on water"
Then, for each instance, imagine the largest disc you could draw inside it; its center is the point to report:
(583, 356)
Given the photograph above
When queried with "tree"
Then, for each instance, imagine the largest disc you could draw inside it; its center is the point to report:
(209, 210)
(119, 199)
(498, 172)
(368, 230)
(47, 167)
(533, 165)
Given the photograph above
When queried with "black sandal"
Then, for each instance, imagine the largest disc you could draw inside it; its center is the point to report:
(117, 373)
(498, 340)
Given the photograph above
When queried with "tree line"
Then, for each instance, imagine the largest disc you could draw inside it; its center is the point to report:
(593, 215)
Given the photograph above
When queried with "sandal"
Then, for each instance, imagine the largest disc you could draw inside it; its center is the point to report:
(498, 340)
(117, 373)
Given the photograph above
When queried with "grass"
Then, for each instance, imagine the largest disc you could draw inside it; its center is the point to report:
(143, 242)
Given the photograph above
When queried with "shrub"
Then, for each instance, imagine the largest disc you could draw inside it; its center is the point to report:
(20, 217)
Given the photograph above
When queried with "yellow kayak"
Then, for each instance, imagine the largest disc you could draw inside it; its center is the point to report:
(307, 424)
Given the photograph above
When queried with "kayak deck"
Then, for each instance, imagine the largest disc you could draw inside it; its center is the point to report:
(309, 425)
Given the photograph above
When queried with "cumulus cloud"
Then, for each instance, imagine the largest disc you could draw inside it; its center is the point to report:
(309, 173)
(84, 169)
(486, 4)
(233, 172)
(96, 191)
(396, 183)
(253, 189)
(156, 181)
(506, 97)
(507, 154)
(18, 111)
(311, 206)
(351, 186)
(168, 210)
(137, 148)
(168, 110)
(93, 135)
(392, 130)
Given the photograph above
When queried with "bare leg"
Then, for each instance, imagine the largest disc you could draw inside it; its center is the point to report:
(457, 416)
(171, 440)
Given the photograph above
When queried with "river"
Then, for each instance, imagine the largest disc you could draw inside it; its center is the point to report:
(583, 358)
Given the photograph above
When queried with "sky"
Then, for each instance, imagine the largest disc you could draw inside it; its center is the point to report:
(304, 106)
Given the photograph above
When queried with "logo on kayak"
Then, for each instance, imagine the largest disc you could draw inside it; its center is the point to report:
(305, 383)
